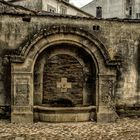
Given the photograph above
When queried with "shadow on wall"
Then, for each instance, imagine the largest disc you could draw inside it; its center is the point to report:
(138, 71)
(61, 102)
(138, 68)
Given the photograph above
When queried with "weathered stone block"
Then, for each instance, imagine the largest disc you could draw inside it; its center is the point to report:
(106, 117)
(20, 117)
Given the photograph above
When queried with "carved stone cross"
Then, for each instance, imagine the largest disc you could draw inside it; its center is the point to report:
(63, 85)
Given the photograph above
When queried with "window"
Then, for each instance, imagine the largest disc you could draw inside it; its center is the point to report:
(99, 12)
(129, 2)
(51, 9)
(138, 15)
(130, 11)
(129, 8)
(96, 28)
(63, 10)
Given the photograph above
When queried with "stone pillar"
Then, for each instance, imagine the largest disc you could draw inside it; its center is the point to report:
(106, 109)
(22, 98)
(38, 89)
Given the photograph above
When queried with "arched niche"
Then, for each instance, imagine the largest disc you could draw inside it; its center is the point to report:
(23, 67)
(65, 61)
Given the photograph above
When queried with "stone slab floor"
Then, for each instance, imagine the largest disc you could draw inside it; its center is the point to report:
(124, 129)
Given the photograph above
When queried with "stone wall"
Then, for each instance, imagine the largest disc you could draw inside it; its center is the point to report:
(67, 67)
(120, 37)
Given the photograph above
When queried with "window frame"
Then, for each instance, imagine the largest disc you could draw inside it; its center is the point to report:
(99, 12)
(63, 10)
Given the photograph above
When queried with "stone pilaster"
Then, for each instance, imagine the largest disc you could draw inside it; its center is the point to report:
(106, 110)
(22, 98)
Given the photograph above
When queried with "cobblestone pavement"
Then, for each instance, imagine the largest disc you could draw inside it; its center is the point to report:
(124, 129)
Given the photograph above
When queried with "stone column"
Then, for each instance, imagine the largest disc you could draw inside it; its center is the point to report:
(106, 109)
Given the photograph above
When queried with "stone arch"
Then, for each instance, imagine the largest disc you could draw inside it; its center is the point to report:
(23, 62)
(21, 53)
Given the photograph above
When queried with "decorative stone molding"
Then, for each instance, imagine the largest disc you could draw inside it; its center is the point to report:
(22, 92)
(107, 106)
(20, 53)
(107, 96)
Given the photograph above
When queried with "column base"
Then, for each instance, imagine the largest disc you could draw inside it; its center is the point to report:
(18, 117)
(107, 117)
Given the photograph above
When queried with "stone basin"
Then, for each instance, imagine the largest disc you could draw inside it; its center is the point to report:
(64, 114)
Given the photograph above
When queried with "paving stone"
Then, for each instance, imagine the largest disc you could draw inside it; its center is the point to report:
(124, 129)
(19, 138)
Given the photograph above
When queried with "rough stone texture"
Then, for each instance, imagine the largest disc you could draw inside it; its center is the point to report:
(63, 66)
(21, 41)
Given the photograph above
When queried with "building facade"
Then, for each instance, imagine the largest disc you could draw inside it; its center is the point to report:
(114, 8)
(53, 6)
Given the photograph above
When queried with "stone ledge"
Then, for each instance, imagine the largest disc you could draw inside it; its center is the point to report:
(67, 114)
(128, 110)
(42, 107)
